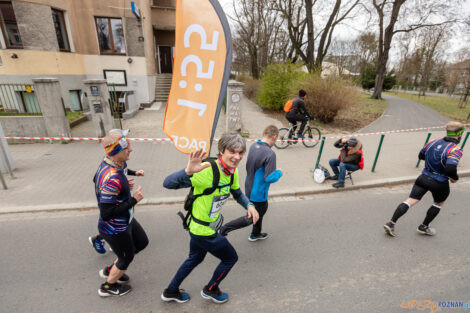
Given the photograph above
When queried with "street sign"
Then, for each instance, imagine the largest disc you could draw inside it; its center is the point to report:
(135, 10)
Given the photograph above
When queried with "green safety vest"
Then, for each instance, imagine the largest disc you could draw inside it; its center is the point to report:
(207, 207)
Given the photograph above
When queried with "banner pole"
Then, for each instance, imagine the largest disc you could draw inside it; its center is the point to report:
(7, 162)
(3, 181)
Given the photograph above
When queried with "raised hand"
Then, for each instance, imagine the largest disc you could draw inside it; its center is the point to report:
(194, 163)
(140, 173)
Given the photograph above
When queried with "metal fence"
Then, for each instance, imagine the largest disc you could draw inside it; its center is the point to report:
(117, 107)
(19, 99)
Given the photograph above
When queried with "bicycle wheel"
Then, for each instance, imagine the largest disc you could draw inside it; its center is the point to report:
(311, 136)
(281, 142)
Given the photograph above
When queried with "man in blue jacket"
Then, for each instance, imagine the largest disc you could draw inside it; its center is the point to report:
(260, 173)
(441, 158)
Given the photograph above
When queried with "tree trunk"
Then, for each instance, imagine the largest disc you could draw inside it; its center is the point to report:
(385, 41)
(254, 63)
(310, 39)
(379, 83)
(321, 50)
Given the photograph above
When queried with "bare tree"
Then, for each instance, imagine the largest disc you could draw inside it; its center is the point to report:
(422, 53)
(293, 15)
(461, 73)
(366, 48)
(406, 67)
(408, 15)
(432, 38)
(307, 27)
(259, 31)
(344, 55)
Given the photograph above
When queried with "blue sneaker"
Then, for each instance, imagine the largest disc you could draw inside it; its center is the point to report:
(215, 295)
(260, 236)
(179, 296)
(97, 244)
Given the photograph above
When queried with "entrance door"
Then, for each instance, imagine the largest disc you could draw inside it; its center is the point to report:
(166, 62)
(75, 103)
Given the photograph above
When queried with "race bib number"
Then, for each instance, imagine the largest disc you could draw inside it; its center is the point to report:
(217, 204)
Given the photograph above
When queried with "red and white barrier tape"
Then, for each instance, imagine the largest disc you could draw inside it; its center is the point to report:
(215, 139)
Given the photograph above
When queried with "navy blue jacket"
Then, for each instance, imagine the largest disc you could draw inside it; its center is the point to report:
(442, 157)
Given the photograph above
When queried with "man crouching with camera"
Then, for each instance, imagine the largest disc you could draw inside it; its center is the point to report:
(350, 159)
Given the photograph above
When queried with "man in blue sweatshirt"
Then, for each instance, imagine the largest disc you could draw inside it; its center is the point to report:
(260, 173)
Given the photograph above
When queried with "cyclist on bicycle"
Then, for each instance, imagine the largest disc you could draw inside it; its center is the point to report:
(299, 112)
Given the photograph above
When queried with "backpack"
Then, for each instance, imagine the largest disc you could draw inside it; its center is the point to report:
(321, 174)
(191, 197)
(288, 106)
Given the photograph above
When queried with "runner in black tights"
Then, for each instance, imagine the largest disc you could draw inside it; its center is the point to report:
(441, 159)
(97, 241)
(116, 223)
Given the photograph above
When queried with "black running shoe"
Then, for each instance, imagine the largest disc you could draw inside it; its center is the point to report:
(179, 296)
(215, 295)
(107, 290)
(426, 230)
(390, 229)
(104, 273)
(260, 236)
(339, 184)
(334, 177)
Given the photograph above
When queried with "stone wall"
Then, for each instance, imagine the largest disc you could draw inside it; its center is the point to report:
(36, 26)
(21, 126)
(133, 32)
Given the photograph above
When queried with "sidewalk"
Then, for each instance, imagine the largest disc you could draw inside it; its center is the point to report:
(59, 176)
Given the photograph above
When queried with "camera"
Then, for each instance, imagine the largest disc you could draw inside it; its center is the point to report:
(344, 145)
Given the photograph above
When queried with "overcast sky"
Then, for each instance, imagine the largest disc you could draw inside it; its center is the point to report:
(352, 30)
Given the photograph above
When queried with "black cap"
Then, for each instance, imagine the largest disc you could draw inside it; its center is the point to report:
(302, 93)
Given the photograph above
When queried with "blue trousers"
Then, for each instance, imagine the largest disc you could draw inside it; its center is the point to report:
(218, 246)
(343, 167)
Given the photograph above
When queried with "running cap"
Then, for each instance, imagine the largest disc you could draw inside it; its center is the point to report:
(454, 129)
(302, 93)
(115, 141)
(352, 142)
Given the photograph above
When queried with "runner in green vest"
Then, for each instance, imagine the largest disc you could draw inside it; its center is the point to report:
(206, 218)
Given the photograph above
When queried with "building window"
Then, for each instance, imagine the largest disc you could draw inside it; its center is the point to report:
(9, 27)
(111, 42)
(60, 30)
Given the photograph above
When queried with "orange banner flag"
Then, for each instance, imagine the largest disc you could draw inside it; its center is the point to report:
(203, 59)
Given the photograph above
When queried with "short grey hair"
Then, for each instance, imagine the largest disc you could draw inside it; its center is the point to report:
(231, 141)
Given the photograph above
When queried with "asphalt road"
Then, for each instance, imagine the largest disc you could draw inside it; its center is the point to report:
(405, 114)
(326, 253)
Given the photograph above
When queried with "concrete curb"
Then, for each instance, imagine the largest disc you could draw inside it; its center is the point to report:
(295, 192)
